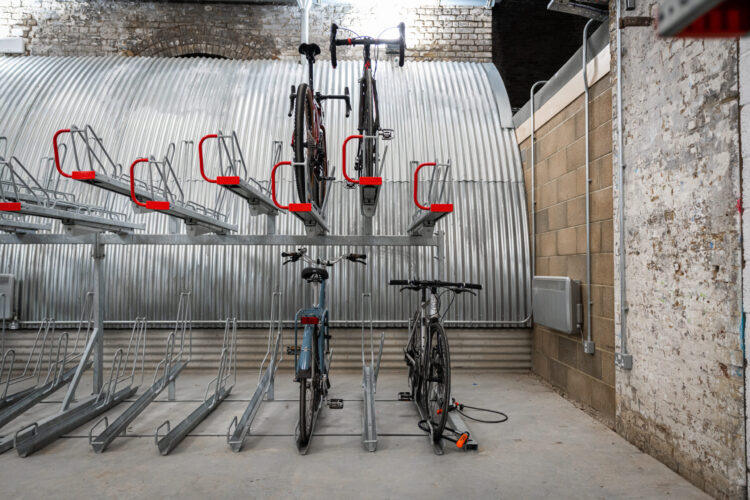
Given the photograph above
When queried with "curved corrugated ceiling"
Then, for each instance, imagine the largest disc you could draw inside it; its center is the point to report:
(439, 110)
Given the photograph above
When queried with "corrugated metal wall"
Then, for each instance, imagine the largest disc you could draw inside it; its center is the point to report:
(439, 110)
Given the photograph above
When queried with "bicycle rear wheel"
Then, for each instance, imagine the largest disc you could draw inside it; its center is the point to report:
(309, 147)
(368, 124)
(309, 397)
(437, 390)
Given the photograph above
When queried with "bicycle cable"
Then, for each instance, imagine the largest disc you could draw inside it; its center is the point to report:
(456, 406)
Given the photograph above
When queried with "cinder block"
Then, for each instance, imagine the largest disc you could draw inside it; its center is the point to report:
(541, 365)
(558, 266)
(600, 109)
(602, 269)
(596, 239)
(566, 241)
(579, 387)
(568, 351)
(556, 164)
(576, 211)
(603, 398)
(607, 235)
(580, 181)
(542, 221)
(558, 374)
(590, 364)
(548, 195)
(558, 216)
(575, 154)
(604, 301)
(601, 205)
(608, 367)
(601, 141)
(542, 266)
(566, 186)
(601, 172)
(577, 267)
(603, 332)
(547, 244)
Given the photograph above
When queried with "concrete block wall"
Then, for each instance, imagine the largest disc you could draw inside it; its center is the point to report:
(683, 400)
(238, 31)
(561, 243)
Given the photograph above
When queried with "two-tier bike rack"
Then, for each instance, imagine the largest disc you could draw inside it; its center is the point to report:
(162, 191)
(369, 380)
(312, 217)
(438, 196)
(170, 367)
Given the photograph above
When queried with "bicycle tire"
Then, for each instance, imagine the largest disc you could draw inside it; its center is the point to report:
(437, 381)
(368, 161)
(307, 400)
(306, 147)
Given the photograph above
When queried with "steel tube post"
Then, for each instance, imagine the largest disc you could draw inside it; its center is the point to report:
(588, 346)
(533, 181)
(98, 305)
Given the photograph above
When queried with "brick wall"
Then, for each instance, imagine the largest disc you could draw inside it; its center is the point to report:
(561, 243)
(683, 400)
(240, 31)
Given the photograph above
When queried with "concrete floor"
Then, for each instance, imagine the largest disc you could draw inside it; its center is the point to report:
(548, 448)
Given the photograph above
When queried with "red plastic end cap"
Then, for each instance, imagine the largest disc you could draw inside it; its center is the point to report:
(370, 181)
(157, 205)
(462, 440)
(10, 207)
(309, 320)
(85, 175)
(300, 207)
(441, 207)
(231, 180)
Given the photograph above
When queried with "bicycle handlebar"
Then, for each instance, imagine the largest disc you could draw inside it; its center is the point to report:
(366, 40)
(435, 284)
(358, 258)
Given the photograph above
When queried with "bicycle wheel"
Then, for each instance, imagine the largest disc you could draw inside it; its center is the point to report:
(368, 124)
(308, 401)
(309, 146)
(438, 379)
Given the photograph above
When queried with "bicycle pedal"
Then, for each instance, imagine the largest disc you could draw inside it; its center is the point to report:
(292, 350)
(405, 396)
(336, 404)
(386, 134)
(350, 185)
(327, 178)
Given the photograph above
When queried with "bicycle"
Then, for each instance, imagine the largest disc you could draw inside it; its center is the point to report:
(369, 115)
(309, 136)
(427, 354)
(312, 358)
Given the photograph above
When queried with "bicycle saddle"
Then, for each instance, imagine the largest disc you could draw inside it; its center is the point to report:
(309, 50)
(314, 274)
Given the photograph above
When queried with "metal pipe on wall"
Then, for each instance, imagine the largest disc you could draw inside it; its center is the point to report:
(622, 358)
(533, 183)
(588, 345)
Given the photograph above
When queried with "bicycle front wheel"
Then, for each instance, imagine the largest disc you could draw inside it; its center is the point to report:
(438, 379)
(368, 124)
(309, 148)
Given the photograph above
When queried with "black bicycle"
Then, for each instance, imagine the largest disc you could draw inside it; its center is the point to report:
(369, 116)
(309, 136)
(427, 354)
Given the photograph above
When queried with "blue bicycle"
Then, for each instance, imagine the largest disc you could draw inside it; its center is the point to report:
(312, 358)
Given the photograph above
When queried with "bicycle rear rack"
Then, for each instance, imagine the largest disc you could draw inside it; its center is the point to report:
(171, 366)
(369, 382)
(162, 192)
(313, 219)
(227, 370)
(234, 176)
(369, 192)
(36, 436)
(437, 207)
(57, 375)
(239, 429)
(21, 194)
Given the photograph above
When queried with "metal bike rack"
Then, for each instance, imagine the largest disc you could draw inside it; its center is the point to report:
(369, 192)
(456, 423)
(437, 207)
(227, 370)
(370, 382)
(36, 436)
(22, 194)
(170, 365)
(234, 176)
(57, 374)
(94, 166)
(239, 429)
(313, 219)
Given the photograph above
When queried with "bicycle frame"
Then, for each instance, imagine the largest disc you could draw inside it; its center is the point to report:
(317, 315)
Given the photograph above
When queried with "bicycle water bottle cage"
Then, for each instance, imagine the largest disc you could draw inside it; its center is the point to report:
(314, 274)
(78, 175)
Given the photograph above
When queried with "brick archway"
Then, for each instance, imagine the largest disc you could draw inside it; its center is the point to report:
(223, 43)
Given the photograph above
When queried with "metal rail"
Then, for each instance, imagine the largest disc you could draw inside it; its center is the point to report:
(369, 382)
(240, 428)
(311, 216)
(369, 192)
(171, 365)
(227, 370)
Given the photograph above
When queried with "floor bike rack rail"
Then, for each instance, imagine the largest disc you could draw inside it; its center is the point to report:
(22, 194)
(369, 382)
(454, 422)
(171, 366)
(369, 192)
(36, 436)
(57, 374)
(437, 207)
(227, 371)
(94, 166)
(240, 428)
(313, 218)
(235, 178)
